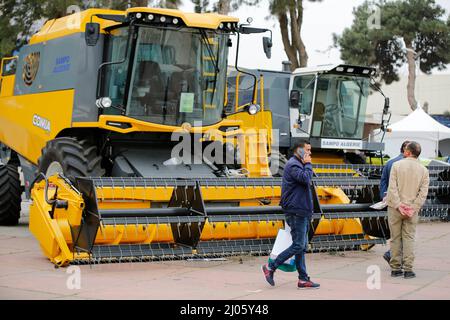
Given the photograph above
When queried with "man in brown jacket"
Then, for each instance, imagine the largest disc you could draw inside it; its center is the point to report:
(407, 192)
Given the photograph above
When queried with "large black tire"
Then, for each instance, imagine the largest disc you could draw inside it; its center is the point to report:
(76, 158)
(10, 195)
(277, 163)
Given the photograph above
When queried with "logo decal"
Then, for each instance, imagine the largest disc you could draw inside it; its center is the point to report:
(41, 123)
(62, 64)
(30, 68)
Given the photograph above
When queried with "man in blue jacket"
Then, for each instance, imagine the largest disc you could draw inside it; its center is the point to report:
(384, 183)
(297, 204)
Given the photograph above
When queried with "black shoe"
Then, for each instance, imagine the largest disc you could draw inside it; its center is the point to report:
(387, 256)
(268, 274)
(396, 273)
(409, 275)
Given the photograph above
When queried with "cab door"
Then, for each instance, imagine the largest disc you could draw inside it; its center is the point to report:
(305, 84)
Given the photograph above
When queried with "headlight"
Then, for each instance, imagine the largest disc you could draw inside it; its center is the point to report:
(253, 109)
(104, 102)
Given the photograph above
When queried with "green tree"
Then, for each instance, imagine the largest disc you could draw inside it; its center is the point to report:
(123, 4)
(19, 20)
(8, 29)
(225, 6)
(221, 6)
(201, 6)
(413, 31)
(289, 14)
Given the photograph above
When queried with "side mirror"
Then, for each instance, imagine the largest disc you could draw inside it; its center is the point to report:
(267, 44)
(386, 106)
(300, 103)
(294, 99)
(92, 33)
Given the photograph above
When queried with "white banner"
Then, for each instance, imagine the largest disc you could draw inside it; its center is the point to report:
(341, 144)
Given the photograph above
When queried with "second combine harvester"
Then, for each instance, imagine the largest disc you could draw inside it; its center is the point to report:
(117, 120)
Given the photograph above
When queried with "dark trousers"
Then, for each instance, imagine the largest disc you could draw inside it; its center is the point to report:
(299, 231)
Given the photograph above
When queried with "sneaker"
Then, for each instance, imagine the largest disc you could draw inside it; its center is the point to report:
(409, 275)
(396, 273)
(387, 256)
(268, 274)
(307, 284)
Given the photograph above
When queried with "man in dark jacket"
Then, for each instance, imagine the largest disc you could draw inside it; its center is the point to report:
(297, 204)
(384, 183)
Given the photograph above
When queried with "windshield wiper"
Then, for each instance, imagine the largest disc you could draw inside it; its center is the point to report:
(214, 62)
(358, 84)
(210, 50)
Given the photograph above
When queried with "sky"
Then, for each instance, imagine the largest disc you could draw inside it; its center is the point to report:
(321, 20)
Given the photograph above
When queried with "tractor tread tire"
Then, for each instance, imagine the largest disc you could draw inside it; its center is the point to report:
(10, 195)
(77, 158)
(281, 160)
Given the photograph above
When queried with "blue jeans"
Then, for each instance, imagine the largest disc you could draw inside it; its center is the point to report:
(299, 231)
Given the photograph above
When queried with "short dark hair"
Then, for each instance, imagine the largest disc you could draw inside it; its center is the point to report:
(415, 148)
(404, 144)
(300, 144)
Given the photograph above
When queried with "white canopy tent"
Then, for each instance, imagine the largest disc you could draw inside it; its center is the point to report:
(420, 127)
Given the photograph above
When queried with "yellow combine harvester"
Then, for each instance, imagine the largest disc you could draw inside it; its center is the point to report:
(117, 120)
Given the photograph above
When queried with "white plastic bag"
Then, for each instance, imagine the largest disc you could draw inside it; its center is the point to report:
(282, 242)
(379, 205)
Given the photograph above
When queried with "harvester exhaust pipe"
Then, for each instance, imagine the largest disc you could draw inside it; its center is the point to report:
(286, 66)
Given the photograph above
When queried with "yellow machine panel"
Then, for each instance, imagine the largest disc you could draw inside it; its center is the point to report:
(29, 121)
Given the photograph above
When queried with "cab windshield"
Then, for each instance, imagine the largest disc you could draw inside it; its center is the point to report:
(175, 76)
(339, 106)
